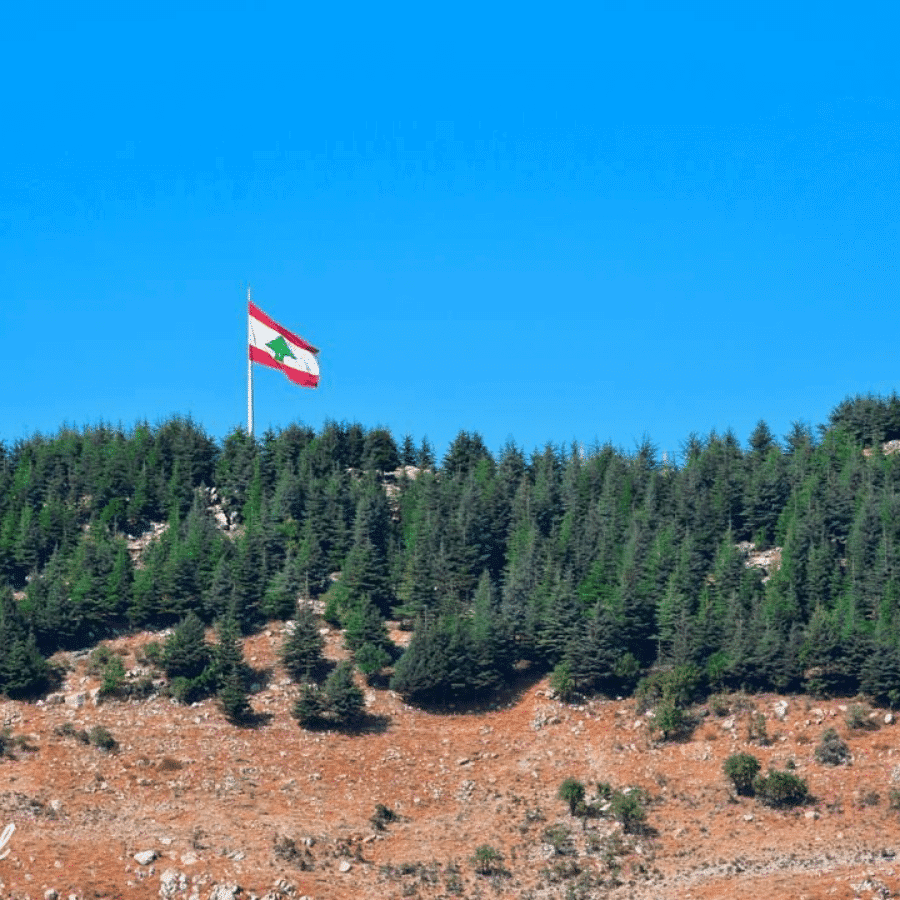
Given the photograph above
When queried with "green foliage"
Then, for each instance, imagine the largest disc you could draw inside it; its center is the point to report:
(101, 738)
(670, 720)
(185, 653)
(344, 700)
(452, 658)
(562, 683)
(301, 652)
(669, 694)
(23, 671)
(364, 624)
(757, 730)
(571, 791)
(679, 686)
(559, 837)
(338, 701)
(628, 808)
(741, 769)
(280, 598)
(309, 706)
(233, 698)
(593, 564)
(860, 718)
(228, 671)
(371, 658)
(113, 678)
(487, 860)
(780, 789)
(832, 749)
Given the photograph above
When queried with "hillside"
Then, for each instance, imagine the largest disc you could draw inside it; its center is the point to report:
(282, 812)
(737, 601)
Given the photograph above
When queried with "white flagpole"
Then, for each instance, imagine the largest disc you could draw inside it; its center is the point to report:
(249, 372)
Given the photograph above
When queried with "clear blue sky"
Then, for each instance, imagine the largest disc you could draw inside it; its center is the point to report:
(592, 222)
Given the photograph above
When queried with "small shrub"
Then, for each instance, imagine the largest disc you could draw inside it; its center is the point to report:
(571, 791)
(67, 729)
(859, 718)
(670, 720)
(10, 742)
(756, 730)
(780, 789)
(832, 750)
(99, 659)
(611, 848)
(741, 769)
(562, 683)
(487, 860)
(287, 850)
(188, 690)
(142, 688)
(562, 870)
(628, 809)
(152, 655)
(894, 799)
(382, 817)
(102, 739)
(113, 678)
(169, 764)
(559, 838)
(453, 878)
(680, 685)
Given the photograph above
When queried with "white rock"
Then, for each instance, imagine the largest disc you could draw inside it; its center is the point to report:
(344, 866)
(145, 857)
(225, 892)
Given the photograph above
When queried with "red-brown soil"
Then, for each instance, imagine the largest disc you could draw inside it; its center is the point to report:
(286, 812)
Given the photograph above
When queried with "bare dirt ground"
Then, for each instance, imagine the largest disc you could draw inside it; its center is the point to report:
(281, 812)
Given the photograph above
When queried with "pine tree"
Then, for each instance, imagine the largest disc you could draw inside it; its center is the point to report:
(344, 699)
(301, 652)
(280, 598)
(230, 671)
(310, 705)
(23, 671)
(185, 652)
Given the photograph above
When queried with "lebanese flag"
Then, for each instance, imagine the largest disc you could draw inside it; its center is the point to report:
(274, 346)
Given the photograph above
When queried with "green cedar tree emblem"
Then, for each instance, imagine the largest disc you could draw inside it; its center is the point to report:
(280, 349)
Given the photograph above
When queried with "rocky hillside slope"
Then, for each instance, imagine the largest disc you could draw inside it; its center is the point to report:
(188, 806)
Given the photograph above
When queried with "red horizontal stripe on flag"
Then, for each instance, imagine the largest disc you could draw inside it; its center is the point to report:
(304, 379)
(295, 339)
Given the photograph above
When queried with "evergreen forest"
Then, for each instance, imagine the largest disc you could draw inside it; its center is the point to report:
(599, 566)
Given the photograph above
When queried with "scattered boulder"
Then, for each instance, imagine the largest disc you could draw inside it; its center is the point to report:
(226, 891)
(145, 857)
(172, 882)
